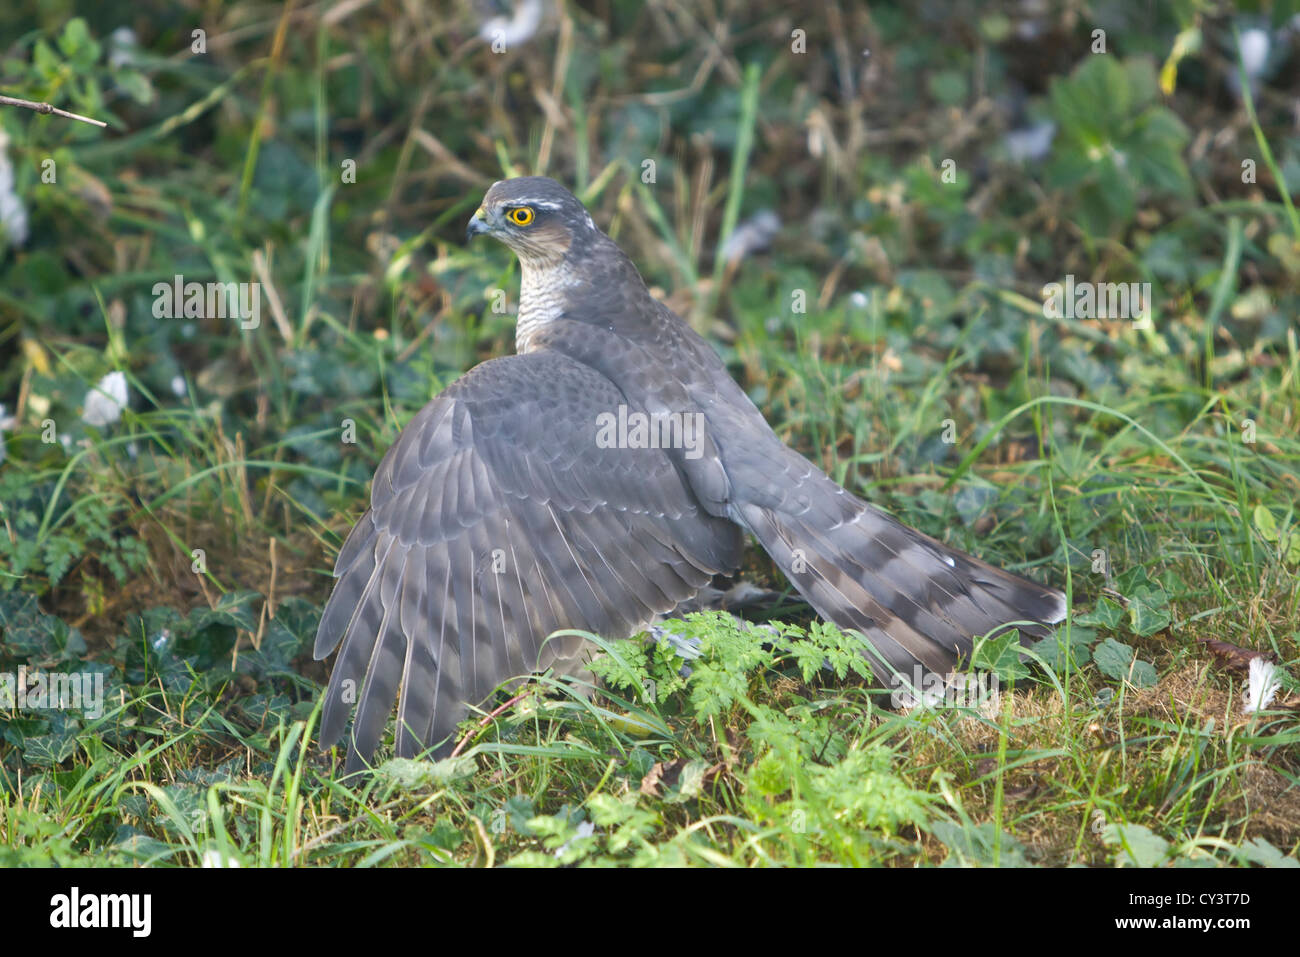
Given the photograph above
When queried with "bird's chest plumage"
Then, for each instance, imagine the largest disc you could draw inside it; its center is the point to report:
(542, 297)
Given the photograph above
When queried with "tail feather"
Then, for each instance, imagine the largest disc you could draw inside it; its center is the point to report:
(916, 600)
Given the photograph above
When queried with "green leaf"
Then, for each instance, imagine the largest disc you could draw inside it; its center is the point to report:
(1148, 602)
(1000, 655)
(1261, 852)
(45, 60)
(769, 776)
(948, 87)
(519, 811)
(979, 844)
(443, 836)
(47, 750)
(81, 50)
(410, 775)
(1135, 845)
(1143, 674)
(1113, 658)
(233, 609)
(689, 783)
(1116, 142)
(1105, 614)
(1266, 523)
(31, 635)
(137, 86)
(1066, 645)
(1148, 611)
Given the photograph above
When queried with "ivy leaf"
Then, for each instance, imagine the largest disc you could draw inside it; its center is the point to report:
(975, 845)
(1000, 655)
(33, 636)
(1105, 614)
(1113, 658)
(1148, 611)
(47, 750)
(233, 609)
(1068, 644)
(1143, 674)
(1148, 602)
(287, 635)
(1135, 845)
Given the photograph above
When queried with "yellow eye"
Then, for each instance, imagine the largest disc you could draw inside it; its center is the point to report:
(521, 215)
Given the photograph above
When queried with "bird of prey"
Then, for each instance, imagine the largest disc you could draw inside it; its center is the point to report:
(595, 480)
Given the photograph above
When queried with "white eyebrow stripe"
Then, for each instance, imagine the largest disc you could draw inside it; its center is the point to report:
(539, 203)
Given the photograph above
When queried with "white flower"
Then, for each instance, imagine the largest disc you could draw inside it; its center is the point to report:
(123, 47)
(507, 32)
(6, 422)
(1255, 45)
(1261, 686)
(751, 236)
(214, 858)
(13, 214)
(585, 829)
(105, 402)
(1030, 143)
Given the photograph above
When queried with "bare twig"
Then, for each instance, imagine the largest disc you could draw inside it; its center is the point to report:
(487, 719)
(47, 109)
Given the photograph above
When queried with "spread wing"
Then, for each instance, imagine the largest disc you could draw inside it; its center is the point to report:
(496, 519)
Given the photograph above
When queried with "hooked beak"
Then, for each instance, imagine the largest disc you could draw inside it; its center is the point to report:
(478, 224)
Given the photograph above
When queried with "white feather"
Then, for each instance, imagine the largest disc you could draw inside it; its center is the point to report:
(1262, 686)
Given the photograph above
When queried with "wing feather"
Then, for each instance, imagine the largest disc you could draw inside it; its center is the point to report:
(496, 520)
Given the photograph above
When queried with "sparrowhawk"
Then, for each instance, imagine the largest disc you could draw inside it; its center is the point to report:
(595, 480)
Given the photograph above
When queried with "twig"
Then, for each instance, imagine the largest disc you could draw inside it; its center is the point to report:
(47, 109)
(487, 719)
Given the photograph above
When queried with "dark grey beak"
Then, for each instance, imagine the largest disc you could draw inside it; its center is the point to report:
(479, 224)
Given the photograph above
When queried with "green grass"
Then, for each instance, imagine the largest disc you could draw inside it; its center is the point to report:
(183, 552)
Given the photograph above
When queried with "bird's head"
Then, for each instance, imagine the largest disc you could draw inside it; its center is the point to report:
(536, 217)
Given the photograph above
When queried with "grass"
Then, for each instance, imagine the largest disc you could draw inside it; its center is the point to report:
(894, 332)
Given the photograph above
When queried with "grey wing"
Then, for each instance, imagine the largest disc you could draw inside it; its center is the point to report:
(496, 519)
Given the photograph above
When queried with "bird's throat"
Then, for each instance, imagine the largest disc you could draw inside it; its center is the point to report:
(542, 298)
